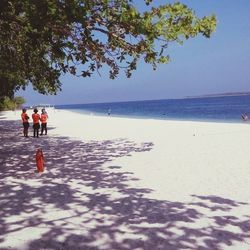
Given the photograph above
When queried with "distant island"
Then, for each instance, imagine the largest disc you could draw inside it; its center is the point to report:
(221, 95)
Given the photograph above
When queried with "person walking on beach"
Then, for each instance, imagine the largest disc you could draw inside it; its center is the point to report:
(244, 117)
(25, 119)
(44, 117)
(36, 124)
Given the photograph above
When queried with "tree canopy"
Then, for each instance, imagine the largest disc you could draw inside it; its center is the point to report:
(42, 39)
(7, 103)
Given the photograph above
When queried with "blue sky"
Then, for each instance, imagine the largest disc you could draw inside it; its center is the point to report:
(200, 66)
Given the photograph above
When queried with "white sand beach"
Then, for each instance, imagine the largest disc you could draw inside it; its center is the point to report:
(120, 183)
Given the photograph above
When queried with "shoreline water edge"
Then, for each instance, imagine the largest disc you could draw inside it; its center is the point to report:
(217, 109)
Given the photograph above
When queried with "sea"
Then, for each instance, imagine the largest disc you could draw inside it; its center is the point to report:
(212, 109)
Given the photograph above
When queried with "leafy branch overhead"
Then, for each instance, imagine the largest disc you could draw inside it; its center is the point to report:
(40, 40)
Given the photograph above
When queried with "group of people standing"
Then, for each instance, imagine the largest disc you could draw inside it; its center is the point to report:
(37, 118)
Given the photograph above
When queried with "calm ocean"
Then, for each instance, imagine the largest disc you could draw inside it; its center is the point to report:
(217, 109)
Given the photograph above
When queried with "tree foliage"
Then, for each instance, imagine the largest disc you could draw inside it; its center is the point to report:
(7, 103)
(42, 39)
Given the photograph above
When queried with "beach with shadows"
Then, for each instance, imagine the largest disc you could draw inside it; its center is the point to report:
(80, 203)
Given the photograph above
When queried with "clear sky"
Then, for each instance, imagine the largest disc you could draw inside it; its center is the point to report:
(200, 66)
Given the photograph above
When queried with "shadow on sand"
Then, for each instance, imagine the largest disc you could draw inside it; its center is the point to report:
(79, 204)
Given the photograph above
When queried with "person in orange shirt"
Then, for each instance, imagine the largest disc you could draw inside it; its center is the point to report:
(25, 119)
(44, 117)
(36, 125)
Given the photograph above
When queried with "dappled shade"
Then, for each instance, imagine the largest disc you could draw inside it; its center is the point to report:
(83, 201)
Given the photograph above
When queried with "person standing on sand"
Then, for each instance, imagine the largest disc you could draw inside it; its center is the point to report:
(36, 124)
(44, 117)
(25, 119)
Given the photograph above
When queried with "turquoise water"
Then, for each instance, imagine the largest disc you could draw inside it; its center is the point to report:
(218, 109)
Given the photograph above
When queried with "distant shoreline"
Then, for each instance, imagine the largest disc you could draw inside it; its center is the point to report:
(221, 95)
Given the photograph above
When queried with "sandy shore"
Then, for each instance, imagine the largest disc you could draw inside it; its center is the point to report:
(119, 183)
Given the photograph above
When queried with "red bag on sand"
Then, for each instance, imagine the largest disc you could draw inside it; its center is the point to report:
(39, 160)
